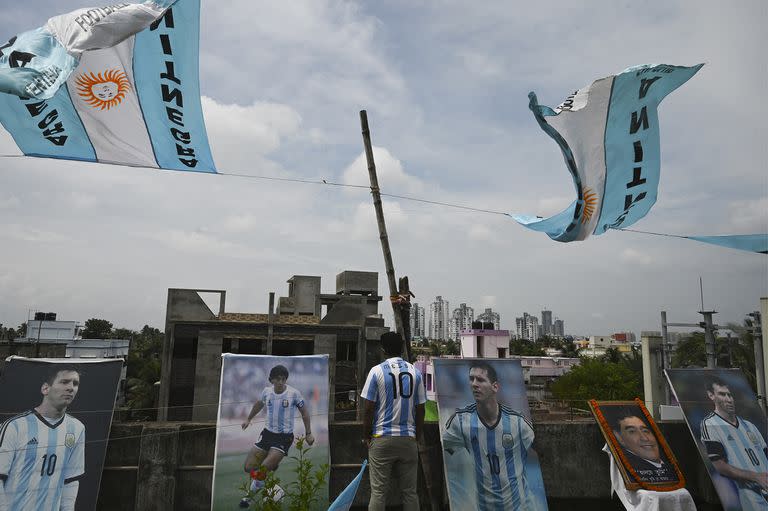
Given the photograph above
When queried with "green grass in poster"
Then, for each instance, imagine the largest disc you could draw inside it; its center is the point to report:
(230, 477)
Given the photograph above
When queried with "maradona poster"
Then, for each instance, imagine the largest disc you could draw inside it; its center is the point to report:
(55, 416)
(270, 409)
(487, 435)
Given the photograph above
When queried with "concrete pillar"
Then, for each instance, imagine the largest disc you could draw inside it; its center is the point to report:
(158, 458)
(207, 376)
(325, 344)
(166, 367)
(653, 377)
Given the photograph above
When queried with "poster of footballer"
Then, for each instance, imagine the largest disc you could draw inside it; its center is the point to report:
(638, 447)
(268, 406)
(55, 427)
(729, 429)
(487, 435)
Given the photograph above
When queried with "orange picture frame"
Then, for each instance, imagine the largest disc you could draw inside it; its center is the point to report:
(633, 480)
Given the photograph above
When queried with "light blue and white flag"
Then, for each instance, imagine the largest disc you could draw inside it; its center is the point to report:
(347, 497)
(609, 136)
(115, 84)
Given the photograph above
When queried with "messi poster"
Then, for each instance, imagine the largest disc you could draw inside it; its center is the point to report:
(268, 407)
(729, 429)
(55, 427)
(487, 435)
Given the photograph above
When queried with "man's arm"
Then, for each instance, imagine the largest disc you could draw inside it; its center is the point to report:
(305, 418)
(69, 496)
(748, 476)
(74, 470)
(368, 409)
(257, 406)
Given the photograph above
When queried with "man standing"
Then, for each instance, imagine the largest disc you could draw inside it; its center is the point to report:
(641, 447)
(393, 397)
(736, 448)
(281, 401)
(497, 438)
(42, 451)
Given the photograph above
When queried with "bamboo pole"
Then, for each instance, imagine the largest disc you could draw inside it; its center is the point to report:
(397, 308)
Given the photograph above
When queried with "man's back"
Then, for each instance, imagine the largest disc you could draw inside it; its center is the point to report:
(396, 387)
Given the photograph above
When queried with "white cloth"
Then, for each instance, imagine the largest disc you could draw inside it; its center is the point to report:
(647, 500)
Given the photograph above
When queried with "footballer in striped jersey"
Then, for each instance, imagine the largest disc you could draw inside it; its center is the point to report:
(281, 402)
(497, 438)
(42, 451)
(736, 448)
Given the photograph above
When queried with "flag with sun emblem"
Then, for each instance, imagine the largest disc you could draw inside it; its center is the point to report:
(115, 84)
(609, 136)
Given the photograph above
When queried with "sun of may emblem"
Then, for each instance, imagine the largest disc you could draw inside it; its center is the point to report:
(590, 201)
(103, 90)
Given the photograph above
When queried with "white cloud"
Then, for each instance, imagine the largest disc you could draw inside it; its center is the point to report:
(749, 216)
(636, 257)
(390, 174)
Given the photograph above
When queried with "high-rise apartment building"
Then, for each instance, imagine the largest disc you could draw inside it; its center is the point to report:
(461, 319)
(439, 317)
(490, 317)
(418, 328)
(546, 323)
(527, 327)
(559, 328)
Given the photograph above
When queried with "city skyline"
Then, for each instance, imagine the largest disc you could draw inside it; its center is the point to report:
(446, 90)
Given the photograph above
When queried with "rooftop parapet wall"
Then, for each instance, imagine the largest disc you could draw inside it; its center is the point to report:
(168, 466)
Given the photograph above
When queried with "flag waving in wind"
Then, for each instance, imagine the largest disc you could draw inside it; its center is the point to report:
(609, 136)
(347, 497)
(116, 84)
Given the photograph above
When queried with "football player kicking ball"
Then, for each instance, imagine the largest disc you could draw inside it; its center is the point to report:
(281, 401)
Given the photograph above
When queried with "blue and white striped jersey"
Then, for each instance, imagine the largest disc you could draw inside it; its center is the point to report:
(742, 446)
(281, 408)
(396, 387)
(499, 451)
(38, 458)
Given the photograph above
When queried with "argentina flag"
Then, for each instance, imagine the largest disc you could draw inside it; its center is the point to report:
(609, 136)
(115, 84)
(347, 497)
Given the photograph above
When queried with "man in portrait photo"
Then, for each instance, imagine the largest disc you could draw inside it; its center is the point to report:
(42, 451)
(640, 446)
(735, 447)
(497, 438)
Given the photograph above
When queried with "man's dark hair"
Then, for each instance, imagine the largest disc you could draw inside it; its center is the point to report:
(54, 369)
(489, 370)
(392, 343)
(277, 371)
(714, 380)
(619, 413)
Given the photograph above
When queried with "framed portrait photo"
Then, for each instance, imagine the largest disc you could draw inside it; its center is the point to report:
(638, 446)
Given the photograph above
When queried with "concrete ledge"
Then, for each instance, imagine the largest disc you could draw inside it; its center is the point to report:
(168, 466)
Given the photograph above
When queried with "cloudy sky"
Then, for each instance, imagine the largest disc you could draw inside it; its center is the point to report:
(445, 85)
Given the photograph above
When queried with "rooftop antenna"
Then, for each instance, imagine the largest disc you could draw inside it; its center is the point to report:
(701, 290)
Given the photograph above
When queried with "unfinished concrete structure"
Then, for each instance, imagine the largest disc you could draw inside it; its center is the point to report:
(346, 326)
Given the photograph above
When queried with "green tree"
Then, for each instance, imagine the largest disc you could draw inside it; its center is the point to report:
(21, 330)
(143, 370)
(96, 329)
(569, 349)
(525, 348)
(596, 379)
(612, 355)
